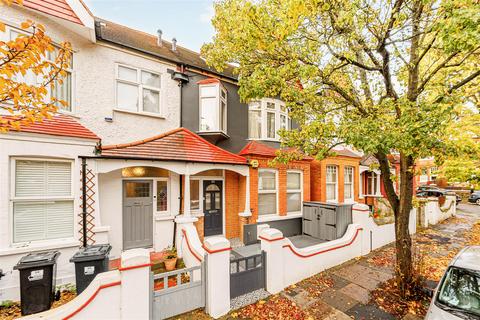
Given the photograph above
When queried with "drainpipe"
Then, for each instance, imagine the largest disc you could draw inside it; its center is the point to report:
(84, 201)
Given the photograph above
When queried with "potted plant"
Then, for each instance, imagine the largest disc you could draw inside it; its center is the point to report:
(170, 258)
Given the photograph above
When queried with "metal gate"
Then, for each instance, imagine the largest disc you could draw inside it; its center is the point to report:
(178, 291)
(247, 274)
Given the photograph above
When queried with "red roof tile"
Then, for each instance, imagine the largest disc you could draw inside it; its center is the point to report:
(208, 81)
(57, 8)
(260, 149)
(176, 145)
(59, 125)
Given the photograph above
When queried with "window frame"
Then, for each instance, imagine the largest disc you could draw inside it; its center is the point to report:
(352, 187)
(14, 199)
(374, 183)
(330, 183)
(279, 110)
(155, 193)
(140, 87)
(275, 171)
(300, 172)
(8, 37)
(220, 123)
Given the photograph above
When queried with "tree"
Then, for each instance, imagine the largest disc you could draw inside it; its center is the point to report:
(30, 66)
(382, 76)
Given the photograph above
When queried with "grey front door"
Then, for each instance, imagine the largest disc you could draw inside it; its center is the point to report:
(137, 214)
(213, 207)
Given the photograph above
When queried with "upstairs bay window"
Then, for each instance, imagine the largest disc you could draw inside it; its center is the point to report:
(265, 118)
(42, 197)
(294, 191)
(62, 90)
(213, 108)
(138, 90)
(267, 192)
(332, 183)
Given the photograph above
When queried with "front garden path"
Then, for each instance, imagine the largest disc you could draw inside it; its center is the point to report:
(354, 289)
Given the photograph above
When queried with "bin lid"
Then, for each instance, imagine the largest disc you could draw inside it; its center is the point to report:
(37, 259)
(90, 253)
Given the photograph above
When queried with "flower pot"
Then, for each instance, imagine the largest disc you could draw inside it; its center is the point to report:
(170, 264)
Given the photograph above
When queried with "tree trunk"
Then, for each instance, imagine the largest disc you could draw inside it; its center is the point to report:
(401, 206)
(403, 243)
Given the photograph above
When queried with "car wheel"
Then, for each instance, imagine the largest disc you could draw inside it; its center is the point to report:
(478, 202)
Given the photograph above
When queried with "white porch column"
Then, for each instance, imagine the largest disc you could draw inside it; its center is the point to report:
(186, 197)
(247, 211)
(379, 193)
(360, 185)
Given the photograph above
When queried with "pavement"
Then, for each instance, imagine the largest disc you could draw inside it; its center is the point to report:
(343, 292)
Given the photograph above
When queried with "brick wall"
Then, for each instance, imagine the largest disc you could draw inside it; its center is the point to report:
(232, 205)
(264, 163)
(318, 180)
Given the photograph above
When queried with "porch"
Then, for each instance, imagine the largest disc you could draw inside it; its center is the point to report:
(141, 190)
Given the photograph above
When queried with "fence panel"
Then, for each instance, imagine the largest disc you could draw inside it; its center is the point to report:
(247, 274)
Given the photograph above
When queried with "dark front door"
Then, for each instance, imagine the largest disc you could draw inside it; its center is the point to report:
(213, 207)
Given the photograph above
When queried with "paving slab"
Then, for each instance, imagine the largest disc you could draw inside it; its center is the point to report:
(368, 312)
(410, 316)
(299, 296)
(338, 282)
(319, 310)
(356, 292)
(338, 299)
(360, 279)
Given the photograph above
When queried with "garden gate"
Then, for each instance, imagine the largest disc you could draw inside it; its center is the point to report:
(185, 291)
(247, 274)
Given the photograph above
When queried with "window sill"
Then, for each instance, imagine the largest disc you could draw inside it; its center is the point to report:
(40, 246)
(264, 139)
(275, 217)
(144, 114)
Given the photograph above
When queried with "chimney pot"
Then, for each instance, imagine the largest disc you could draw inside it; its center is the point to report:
(174, 44)
(159, 37)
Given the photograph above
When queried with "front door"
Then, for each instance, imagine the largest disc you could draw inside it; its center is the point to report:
(137, 214)
(213, 207)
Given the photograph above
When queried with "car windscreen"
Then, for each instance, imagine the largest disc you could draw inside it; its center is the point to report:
(459, 293)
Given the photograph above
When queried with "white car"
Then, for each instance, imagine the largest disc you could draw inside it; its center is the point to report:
(458, 294)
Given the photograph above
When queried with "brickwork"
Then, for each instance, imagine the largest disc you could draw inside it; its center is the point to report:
(232, 206)
(319, 182)
(199, 225)
(265, 162)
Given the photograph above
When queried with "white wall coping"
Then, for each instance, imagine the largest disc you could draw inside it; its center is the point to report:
(271, 234)
(135, 257)
(216, 243)
(101, 229)
(180, 219)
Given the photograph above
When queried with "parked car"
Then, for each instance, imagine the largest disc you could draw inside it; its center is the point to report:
(458, 294)
(474, 197)
(435, 193)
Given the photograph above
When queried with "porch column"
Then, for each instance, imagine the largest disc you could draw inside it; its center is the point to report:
(247, 194)
(378, 184)
(186, 197)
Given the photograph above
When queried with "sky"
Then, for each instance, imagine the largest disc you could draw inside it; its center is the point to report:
(186, 20)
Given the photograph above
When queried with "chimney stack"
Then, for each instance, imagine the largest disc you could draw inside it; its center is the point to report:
(174, 44)
(159, 37)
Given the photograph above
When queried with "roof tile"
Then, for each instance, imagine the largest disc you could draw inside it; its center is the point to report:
(179, 144)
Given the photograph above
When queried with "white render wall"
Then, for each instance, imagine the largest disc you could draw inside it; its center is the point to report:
(36, 146)
(94, 66)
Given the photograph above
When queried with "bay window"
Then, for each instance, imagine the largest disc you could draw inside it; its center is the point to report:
(294, 191)
(267, 192)
(348, 184)
(332, 183)
(213, 108)
(138, 90)
(372, 183)
(42, 197)
(265, 118)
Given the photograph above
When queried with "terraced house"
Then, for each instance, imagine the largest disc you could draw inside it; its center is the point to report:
(159, 139)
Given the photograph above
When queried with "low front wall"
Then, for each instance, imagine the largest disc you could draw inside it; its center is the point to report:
(434, 213)
(287, 265)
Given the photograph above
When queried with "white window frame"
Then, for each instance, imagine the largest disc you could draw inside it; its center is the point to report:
(155, 193)
(374, 183)
(219, 89)
(14, 199)
(140, 87)
(279, 110)
(352, 187)
(296, 190)
(7, 36)
(330, 183)
(275, 171)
